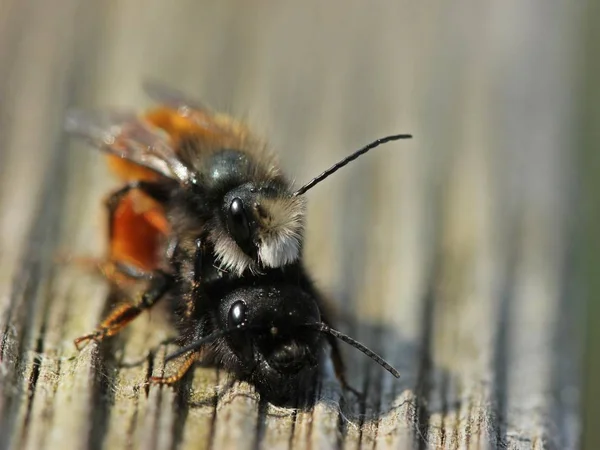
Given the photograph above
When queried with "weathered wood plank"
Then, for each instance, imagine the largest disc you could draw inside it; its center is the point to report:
(588, 240)
(451, 254)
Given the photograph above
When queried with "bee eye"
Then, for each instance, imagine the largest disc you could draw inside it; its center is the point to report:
(237, 315)
(237, 221)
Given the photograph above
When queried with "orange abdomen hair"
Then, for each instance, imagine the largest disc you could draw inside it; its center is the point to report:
(139, 229)
(176, 126)
(128, 171)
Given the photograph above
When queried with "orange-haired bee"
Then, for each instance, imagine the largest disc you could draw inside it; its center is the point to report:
(203, 197)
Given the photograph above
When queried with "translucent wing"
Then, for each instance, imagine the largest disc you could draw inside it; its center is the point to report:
(130, 137)
(172, 98)
(192, 110)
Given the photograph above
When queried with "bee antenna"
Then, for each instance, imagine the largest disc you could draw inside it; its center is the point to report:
(199, 343)
(205, 340)
(323, 328)
(337, 166)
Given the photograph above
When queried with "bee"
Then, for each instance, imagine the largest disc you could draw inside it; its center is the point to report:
(270, 330)
(203, 200)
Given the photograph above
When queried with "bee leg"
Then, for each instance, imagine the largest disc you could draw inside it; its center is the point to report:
(131, 271)
(340, 368)
(190, 304)
(116, 272)
(160, 283)
(153, 190)
(185, 366)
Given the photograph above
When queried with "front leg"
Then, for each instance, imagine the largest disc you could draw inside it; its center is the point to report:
(160, 284)
(183, 368)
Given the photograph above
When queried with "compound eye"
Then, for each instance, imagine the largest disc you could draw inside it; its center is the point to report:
(237, 315)
(237, 221)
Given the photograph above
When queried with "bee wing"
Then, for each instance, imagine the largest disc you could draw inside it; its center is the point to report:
(191, 109)
(127, 136)
(172, 98)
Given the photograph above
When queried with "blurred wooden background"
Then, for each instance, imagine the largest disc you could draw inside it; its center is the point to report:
(452, 254)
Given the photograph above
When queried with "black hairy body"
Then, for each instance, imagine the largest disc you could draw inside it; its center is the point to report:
(276, 347)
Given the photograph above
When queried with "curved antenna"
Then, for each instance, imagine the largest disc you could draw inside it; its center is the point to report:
(357, 345)
(337, 166)
(199, 343)
(320, 326)
(205, 340)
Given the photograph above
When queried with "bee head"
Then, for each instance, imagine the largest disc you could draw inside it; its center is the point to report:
(271, 335)
(264, 226)
(272, 344)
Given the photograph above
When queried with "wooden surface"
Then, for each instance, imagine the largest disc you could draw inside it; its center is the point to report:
(452, 254)
(588, 238)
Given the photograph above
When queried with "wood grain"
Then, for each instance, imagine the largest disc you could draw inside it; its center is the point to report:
(451, 254)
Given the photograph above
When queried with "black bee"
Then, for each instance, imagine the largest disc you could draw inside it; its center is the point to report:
(270, 330)
(202, 199)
